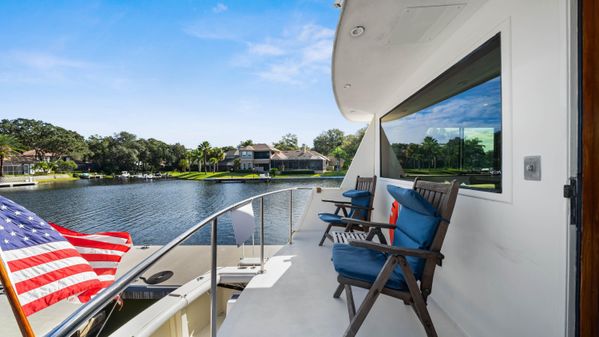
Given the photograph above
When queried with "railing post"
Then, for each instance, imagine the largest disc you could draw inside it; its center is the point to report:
(262, 235)
(213, 301)
(290, 216)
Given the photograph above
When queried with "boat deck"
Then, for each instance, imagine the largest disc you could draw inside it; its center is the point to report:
(176, 261)
(296, 299)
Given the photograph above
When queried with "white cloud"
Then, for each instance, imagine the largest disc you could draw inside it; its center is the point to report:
(299, 55)
(219, 8)
(265, 49)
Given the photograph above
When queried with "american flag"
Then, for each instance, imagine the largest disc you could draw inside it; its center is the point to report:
(103, 251)
(46, 266)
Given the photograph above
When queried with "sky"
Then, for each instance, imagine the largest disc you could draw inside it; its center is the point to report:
(178, 71)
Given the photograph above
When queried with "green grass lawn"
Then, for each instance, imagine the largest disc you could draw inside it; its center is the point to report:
(227, 175)
(56, 180)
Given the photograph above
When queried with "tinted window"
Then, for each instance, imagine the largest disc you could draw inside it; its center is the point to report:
(451, 129)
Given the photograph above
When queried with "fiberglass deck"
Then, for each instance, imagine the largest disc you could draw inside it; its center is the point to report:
(295, 298)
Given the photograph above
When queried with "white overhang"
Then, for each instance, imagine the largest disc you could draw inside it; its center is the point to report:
(370, 68)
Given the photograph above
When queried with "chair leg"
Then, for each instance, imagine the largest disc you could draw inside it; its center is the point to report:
(418, 302)
(373, 293)
(351, 307)
(424, 316)
(339, 290)
(324, 236)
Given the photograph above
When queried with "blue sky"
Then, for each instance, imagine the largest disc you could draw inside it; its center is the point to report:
(179, 71)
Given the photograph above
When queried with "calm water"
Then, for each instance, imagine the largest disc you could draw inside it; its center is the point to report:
(156, 212)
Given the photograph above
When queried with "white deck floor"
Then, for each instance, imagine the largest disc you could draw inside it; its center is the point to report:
(301, 303)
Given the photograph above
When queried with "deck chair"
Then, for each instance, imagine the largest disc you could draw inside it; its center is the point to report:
(359, 207)
(396, 270)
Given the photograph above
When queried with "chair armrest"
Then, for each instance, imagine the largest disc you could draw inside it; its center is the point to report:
(400, 251)
(336, 201)
(368, 223)
(355, 206)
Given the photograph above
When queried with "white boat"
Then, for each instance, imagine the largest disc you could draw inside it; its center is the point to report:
(124, 175)
(513, 250)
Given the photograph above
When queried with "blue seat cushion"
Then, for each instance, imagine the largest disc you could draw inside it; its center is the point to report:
(411, 199)
(330, 218)
(356, 194)
(364, 265)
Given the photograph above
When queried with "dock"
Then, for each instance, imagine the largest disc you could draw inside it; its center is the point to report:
(18, 184)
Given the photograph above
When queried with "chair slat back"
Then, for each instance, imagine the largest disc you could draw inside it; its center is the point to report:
(443, 197)
(365, 184)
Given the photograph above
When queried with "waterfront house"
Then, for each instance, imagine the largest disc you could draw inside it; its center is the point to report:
(263, 157)
(24, 162)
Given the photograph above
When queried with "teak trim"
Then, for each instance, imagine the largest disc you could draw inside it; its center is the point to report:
(589, 243)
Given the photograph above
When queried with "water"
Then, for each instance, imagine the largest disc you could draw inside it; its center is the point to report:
(155, 212)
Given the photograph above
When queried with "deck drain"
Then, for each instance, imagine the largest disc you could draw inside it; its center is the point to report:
(158, 277)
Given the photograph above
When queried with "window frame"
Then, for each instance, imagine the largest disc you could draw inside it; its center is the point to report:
(507, 162)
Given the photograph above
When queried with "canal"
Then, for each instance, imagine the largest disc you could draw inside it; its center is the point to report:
(154, 212)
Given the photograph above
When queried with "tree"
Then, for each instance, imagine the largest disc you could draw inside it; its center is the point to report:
(328, 140)
(246, 143)
(339, 154)
(196, 156)
(214, 161)
(288, 142)
(204, 148)
(216, 156)
(236, 164)
(183, 165)
(430, 150)
(45, 138)
(9, 146)
(352, 142)
(63, 166)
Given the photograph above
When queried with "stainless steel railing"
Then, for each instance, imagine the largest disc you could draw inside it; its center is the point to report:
(72, 323)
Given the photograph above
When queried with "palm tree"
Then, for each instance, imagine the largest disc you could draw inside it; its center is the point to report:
(216, 156)
(214, 161)
(204, 148)
(196, 155)
(9, 146)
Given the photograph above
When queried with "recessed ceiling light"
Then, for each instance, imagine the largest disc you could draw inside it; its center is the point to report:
(357, 31)
(347, 85)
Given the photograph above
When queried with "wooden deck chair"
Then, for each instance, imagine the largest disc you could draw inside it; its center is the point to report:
(404, 270)
(359, 207)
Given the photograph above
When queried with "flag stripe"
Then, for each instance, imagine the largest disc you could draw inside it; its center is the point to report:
(22, 253)
(57, 296)
(79, 242)
(101, 264)
(33, 261)
(28, 273)
(98, 251)
(57, 286)
(47, 278)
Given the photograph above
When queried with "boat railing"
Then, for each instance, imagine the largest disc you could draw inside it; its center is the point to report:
(72, 323)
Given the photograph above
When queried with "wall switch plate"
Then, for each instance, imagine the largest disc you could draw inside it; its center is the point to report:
(532, 168)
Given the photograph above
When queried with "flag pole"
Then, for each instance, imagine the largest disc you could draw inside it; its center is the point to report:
(22, 321)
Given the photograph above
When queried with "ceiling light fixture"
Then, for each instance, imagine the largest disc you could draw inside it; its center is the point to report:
(347, 86)
(357, 31)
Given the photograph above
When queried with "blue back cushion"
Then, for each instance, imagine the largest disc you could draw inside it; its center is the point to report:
(417, 224)
(359, 198)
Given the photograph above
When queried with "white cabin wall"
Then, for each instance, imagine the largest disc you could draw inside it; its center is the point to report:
(363, 165)
(505, 272)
